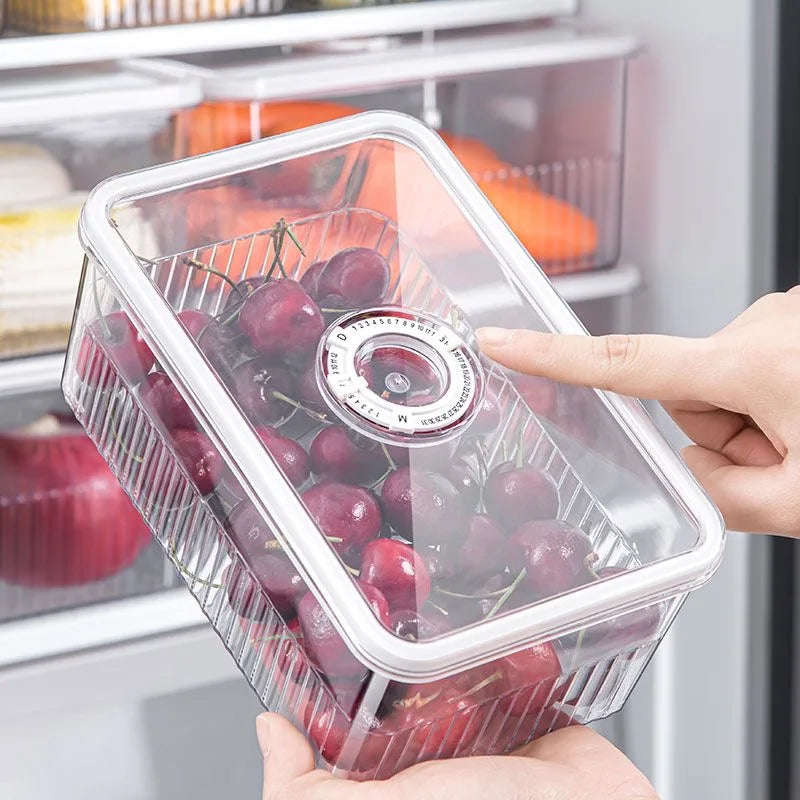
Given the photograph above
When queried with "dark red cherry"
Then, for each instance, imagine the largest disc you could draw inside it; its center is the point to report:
(164, 402)
(528, 679)
(483, 551)
(288, 454)
(461, 474)
(278, 578)
(489, 415)
(516, 494)
(310, 278)
(111, 346)
(201, 460)
(249, 534)
(243, 290)
(353, 278)
(322, 642)
(349, 516)
(260, 389)
(440, 564)
(627, 629)
(307, 390)
(422, 504)
(337, 453)
(557, 556)
(282, 322)
(412, 625)
(216, 342)
(399, 374)
(395, 568)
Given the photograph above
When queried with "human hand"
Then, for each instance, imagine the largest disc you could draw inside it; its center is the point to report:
(572, 764)
(735, 394)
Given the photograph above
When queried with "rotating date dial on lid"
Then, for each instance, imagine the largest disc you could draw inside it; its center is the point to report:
(400, 376)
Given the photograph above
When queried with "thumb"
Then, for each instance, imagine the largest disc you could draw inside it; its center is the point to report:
(665, 368)
(751, 499)
(287, 755)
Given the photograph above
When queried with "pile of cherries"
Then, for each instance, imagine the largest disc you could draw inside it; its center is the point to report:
(434, 538)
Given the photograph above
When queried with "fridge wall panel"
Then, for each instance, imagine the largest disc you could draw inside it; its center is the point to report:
(697, 228)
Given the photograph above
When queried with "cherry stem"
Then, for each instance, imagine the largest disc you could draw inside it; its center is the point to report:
(388, 456)
(173, 552)
(313, 414)
(460, 596)
(337, 310)
(294, 239)
(590, 561)
(438, 608)
(508, 592)
(382, 478)
(278, 637)
(505, 450)
(199, 265)
(495, 676)
(277, 235)
(119, 441)
(352, 570)
(519, 461)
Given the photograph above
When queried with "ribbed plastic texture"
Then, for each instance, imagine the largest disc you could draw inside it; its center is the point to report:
(346, 727)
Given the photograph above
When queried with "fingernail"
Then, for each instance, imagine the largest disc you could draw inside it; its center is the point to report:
(263, 734)
(493, 337)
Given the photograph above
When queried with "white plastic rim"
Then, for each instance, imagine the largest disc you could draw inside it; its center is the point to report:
(377, 647)
(378, 416)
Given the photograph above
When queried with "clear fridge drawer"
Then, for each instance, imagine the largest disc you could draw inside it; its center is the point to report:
(535, 114)
(61, 133)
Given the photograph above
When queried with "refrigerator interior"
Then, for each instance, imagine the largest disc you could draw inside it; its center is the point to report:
(698, 228)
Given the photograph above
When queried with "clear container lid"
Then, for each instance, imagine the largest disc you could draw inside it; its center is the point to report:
(392, 354)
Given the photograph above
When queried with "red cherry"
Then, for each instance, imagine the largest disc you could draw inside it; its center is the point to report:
(395, 568)
(276, 575)
(483, 551)
(463, 477)
(259, 388)
(243, 290)
(628, 629)
(489, 415)
(350, 515)
(558, 557)
(422, 504)
(215, 341)
(310, 278)
(165, 403)
(249, 534)
(322, 642)
(516, 494)
(354, 278)
(528, 678)
(113, 338)
(338, 454)
(440, 564)
(401, 375)
(282, 321)
(199, 457)
(307, 389)
(288, 454)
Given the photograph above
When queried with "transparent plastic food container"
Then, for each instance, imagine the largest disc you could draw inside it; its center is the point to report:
(68, 534)
(61, 133)
(535, 113)
(409, 551)
(65, 16)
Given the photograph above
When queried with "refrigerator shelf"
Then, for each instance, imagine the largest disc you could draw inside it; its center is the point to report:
(287, 29)
(39, 374)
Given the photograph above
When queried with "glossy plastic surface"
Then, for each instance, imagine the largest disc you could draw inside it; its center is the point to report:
(506, 579)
